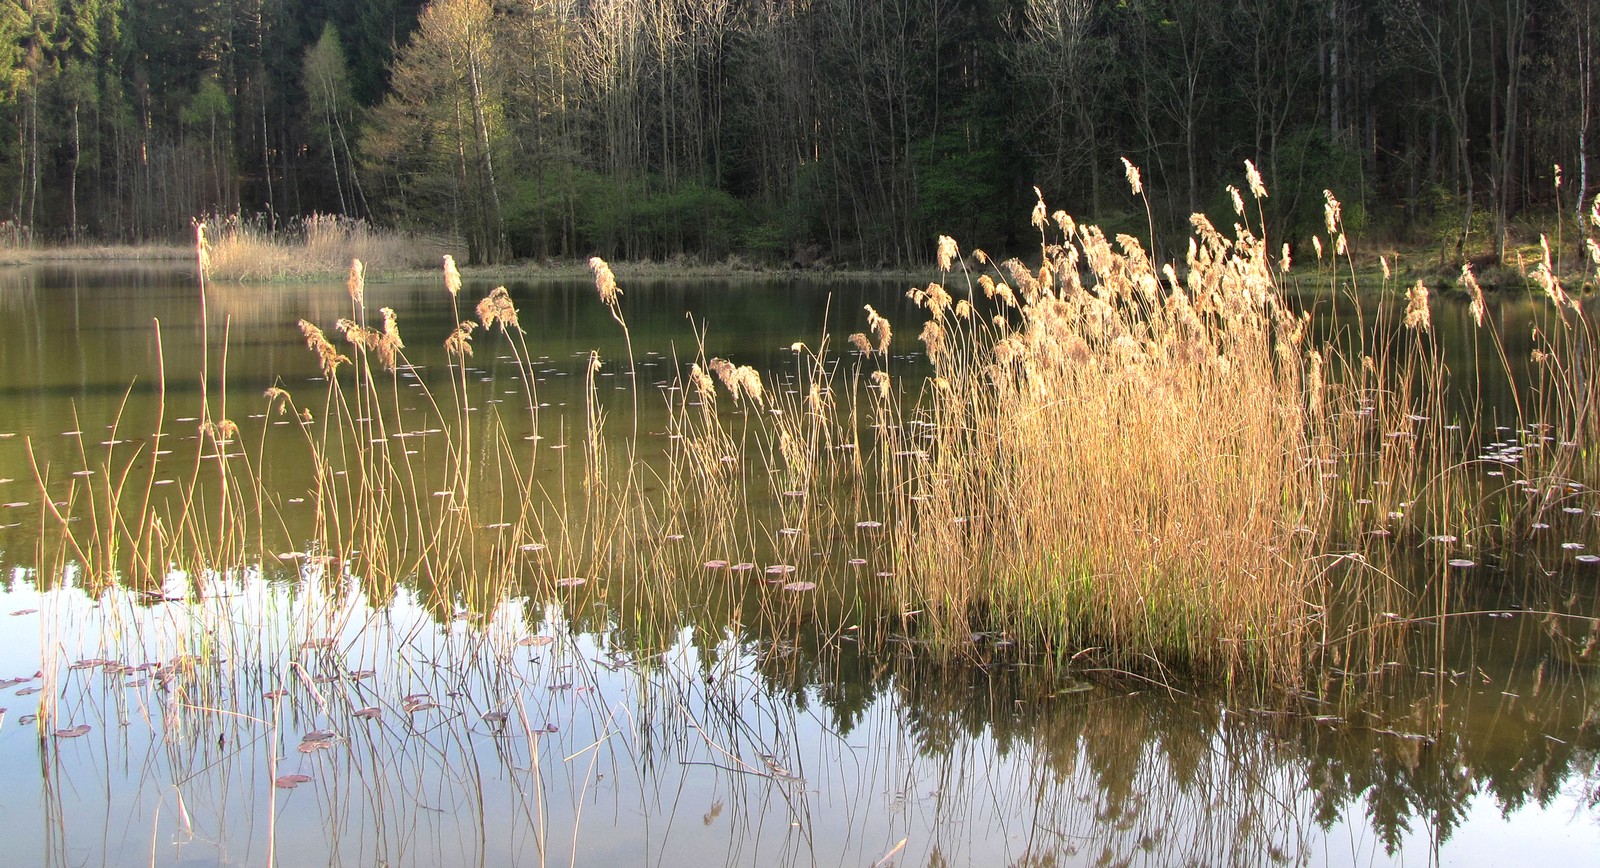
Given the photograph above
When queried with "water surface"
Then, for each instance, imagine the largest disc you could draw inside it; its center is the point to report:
(577, 727)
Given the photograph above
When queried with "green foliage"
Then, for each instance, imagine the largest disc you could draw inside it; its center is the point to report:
(856, 130)
(962, 179)
(643, 218)
(791, 231)
(1439, 218)
(209, 104)
(14, 25)
(1308, 163)
(326, 78)
(689, 218)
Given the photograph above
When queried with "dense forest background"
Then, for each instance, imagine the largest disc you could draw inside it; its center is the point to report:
(789, 130)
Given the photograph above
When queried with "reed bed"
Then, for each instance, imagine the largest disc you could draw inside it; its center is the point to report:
(318, 246)
(1167, 471)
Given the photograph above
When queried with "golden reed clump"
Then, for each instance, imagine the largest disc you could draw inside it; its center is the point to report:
(328, 358)
(452, 276)
(933, 337)
(1332, 213)
(1257, 188)
(881, 384)
(386, 344)
(1417, 314)
(460, 341)
(935, 299)
(202, 250)
(742, 381)
(880, 328)
(703, 385)
(389, 342)
(605, 282)
(1129, 471)
(356, 282)
(750, 381)
(1470, 280)
(221, 432)
(1131, 172)
(496, 307)
(1545, 276)
(358, 336)
(278, 397)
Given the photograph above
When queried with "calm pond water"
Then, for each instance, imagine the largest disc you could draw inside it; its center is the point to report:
(573, 730)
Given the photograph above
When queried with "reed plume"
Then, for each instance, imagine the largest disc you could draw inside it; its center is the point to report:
(328, 358)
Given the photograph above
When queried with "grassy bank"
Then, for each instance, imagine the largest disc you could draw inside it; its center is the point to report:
(81, 253)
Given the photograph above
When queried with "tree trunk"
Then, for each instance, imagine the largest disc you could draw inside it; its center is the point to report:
(72, 182)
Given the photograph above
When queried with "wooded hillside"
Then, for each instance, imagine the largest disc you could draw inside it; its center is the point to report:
(788, 130)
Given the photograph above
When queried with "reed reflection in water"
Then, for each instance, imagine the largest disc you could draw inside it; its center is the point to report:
(516, 738)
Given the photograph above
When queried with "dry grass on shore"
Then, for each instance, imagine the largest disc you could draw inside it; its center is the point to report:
(315, 247)
(95, 253)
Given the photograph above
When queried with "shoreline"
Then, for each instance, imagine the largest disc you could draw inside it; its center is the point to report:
(1408, 266)
(527, 270)
(111, 253)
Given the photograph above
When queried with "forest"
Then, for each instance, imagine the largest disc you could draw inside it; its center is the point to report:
(805, 132)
